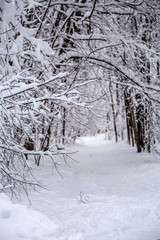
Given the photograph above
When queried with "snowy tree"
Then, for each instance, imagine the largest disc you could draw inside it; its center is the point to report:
(65, 63)
(117, 38)
(34, 94)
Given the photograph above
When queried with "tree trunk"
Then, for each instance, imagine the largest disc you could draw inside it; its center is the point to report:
(64, 126)
(113, 113)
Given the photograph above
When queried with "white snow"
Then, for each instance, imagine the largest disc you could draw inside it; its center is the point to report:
(111, 193)
(19, 222)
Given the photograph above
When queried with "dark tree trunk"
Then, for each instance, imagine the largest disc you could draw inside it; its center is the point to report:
(113, 113)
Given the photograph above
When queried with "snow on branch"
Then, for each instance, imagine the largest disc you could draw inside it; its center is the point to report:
(26, 87)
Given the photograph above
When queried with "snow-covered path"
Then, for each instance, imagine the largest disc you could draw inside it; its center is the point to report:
(112, 193)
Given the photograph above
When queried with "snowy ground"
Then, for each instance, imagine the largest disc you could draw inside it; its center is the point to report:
(112, 193)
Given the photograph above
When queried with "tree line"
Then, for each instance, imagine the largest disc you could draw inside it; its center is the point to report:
(69, 68)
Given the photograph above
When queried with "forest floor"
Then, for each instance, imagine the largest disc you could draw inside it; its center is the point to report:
(109, 193)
